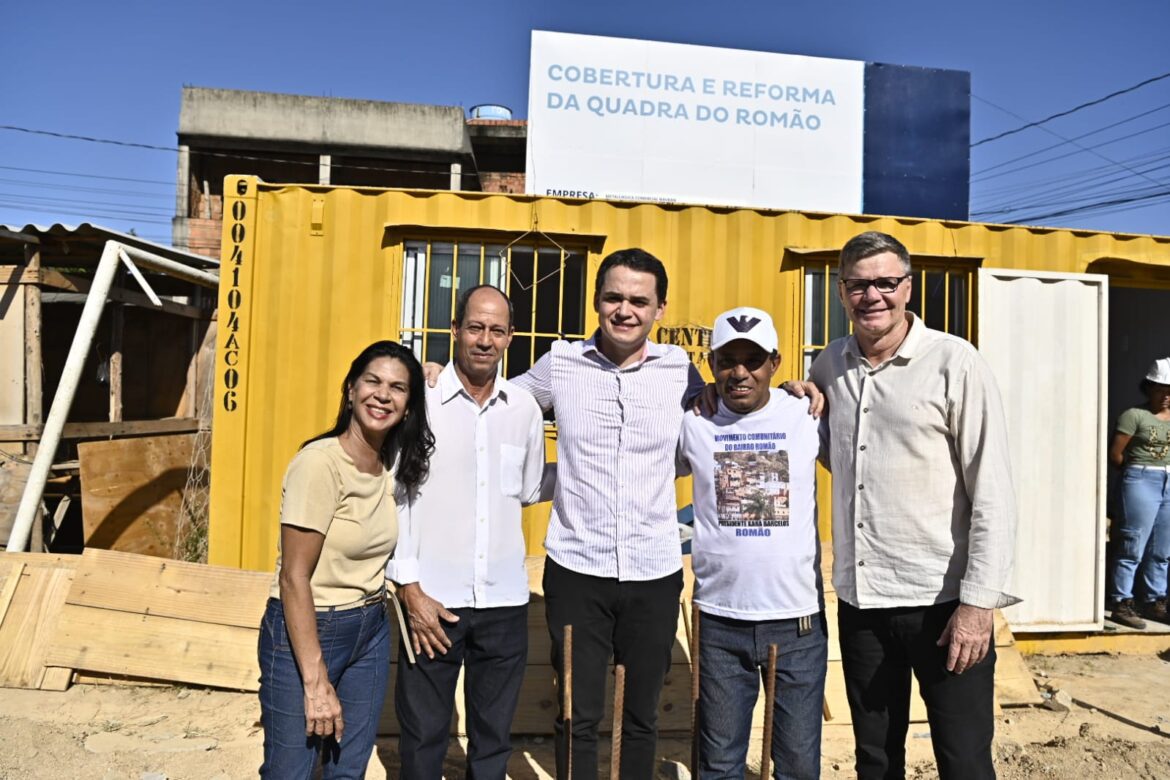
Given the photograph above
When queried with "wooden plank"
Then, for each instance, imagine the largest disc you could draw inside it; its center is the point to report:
(56, 678)
(13, 477)
(15, 236)
(1014, 685)
(184, 591)
(48, 277)
(132, 492)
(158, 648)
(11, 580)
(33, 376)
(102, 430)
(117, 324)
(28, 628)
(42, 560)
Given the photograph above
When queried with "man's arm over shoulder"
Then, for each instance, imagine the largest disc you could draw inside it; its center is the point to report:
(537, 381)
(536, 474)
(980, 432)
(682, 464)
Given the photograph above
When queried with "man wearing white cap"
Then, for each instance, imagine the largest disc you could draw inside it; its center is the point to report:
(755, 555)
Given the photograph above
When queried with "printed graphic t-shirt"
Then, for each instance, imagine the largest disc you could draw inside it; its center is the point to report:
(755, 551)
(1150, 445)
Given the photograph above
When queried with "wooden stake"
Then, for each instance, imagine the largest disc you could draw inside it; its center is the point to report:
(769, 706)
(694, 690)
(619, 705)
(33, 373)
(567, 698)
(825, 709)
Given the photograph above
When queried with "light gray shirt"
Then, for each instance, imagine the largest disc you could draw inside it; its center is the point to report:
(613, 511)
(461, 536)
(923, 506)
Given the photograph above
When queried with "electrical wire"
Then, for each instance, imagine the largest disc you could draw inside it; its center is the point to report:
(1072, 110)
(230, 155)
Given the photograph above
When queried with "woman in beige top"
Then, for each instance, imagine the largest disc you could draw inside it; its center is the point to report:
(325, 641)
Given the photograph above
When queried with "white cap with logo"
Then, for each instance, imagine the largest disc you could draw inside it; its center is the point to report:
(1159, 372)
(753, 325)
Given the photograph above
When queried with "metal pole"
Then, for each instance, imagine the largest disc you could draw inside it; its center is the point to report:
(694, 690)
(769, 706)
(91, 314)
(619, 705)
(169, 267)
(567, 702)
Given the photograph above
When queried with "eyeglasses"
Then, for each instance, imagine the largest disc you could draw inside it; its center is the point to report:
(884, 284)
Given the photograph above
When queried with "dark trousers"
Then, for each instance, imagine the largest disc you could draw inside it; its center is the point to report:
(493, 646)
(635, 622)
(879, 649)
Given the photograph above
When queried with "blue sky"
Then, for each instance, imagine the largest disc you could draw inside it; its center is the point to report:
(115, 69)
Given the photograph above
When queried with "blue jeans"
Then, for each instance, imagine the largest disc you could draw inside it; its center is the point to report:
(492, 645)
(356, 646)
(1142, 538)
(733, 659)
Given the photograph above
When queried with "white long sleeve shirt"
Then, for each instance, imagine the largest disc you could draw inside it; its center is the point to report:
(461, 537)
(614, 509)
(923, 506)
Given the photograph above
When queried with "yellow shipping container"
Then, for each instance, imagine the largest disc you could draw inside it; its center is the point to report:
(311, 274)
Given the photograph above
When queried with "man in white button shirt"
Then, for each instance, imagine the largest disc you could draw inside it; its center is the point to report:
(923, 518)
(460, 555)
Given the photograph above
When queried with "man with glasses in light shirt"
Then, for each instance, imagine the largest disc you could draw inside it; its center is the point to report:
(460, 555)
(923, 518)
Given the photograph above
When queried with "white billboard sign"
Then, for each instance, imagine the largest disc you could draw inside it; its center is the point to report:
(642, 120)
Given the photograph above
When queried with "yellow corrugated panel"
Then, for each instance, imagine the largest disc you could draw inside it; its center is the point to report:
(320, 272)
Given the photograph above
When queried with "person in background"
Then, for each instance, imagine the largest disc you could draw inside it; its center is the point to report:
(1141, 447)
(756, 555)
(324, 646)
(460, 557)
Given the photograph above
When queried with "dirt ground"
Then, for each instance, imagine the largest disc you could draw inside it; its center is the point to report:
(1117, 727)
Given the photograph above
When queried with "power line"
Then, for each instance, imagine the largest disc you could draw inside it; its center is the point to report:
(86, 175)
(1068, 141)
(1072, 110)
(136, 208)
(1099, 206)
(1090, 149)
(78, 188)
(87, 214)
(229, 155)
(1034, 193)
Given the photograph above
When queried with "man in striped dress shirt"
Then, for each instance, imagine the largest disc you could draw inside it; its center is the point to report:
(614, 569)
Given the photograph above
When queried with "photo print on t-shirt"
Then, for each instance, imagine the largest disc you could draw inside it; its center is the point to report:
(751, 490)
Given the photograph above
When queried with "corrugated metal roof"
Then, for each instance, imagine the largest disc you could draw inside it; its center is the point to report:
(81, 245)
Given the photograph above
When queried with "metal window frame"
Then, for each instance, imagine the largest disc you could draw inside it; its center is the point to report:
(421, 335)
(824, 267)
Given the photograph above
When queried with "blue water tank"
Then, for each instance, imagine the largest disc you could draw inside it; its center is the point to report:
(491, 111)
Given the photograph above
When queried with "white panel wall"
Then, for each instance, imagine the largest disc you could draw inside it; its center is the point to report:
(1045, 336)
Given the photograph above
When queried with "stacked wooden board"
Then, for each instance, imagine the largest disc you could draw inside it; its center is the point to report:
(33, 588)
(159, 619)
(150, 619)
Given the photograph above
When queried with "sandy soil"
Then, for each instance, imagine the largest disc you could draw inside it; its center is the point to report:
(1118, 727)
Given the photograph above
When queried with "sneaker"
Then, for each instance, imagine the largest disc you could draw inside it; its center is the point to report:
(1125, 614)
(1156, 610)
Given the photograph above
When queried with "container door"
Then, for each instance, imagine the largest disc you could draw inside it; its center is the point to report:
(1045, 336)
